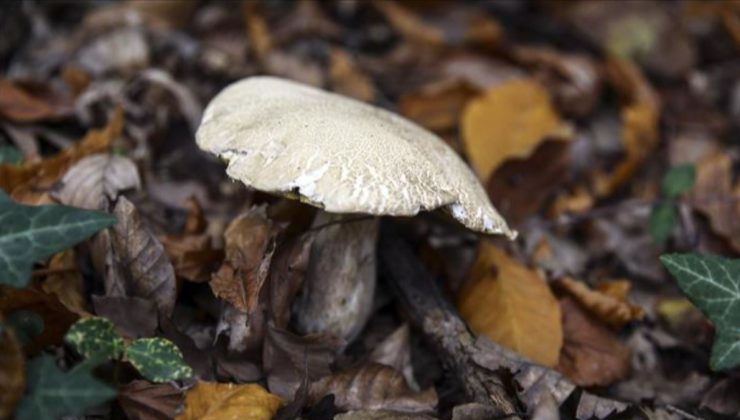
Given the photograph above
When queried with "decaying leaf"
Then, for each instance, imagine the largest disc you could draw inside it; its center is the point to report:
(373, 387)
(438, 106)
(249, 248)
(347, 78)
(56, 317)
(143, 400)
(289, 359)
(608, 302)
(12, 370)
(32, 103)
(216, 401)
(715, 196)
(509, 121)
(135, 317)
(395, 351)
(66, 282)
(592, 355)
(95, 181)
(287, 273)
(411, 26)
(24, 182)
(513, 306)
(141, 257)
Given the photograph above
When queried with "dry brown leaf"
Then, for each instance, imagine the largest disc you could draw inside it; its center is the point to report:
(249, 248)
(640, 118)
(217, 401)
(287, 273)
(57, 318)
(509, 121)
(373, 387)
(66, 282)
(513, 306)
(608, 302)
(591, 354)
(260, 39)
(134, 317)
(12, 371)
(32, 102)
(520, 186)
(157, 14)
(395, 351)
(304, 20)
(437, 106)
(411, 26)
(143, 400)
(97, 180)
(30, 182)
(139, 255)
(347, 78)
(714, 196)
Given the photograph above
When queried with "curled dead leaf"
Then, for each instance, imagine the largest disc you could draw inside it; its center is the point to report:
(27, 103)
(509, 121)
(217, 401)
(591, 354)
(146, 268)
(12, 371)
(66, 282)
(286, 276)
(97, 180)
(143, 400)
(513, 306)
(373, 387)
(608, 302)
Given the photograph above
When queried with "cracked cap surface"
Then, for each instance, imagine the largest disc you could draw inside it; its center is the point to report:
(339, 154)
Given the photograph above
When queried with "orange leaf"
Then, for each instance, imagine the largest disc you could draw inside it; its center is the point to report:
(12, 371)
(513, 306)
(509, 121)
(609, 302)
(217, 401)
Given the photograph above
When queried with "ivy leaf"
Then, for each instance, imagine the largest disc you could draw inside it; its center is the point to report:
(54, 393)
(713, 284)
(32, 233)
(158, 360)
(678, 180)
(95, 336)
(10, 155)
(662, 220)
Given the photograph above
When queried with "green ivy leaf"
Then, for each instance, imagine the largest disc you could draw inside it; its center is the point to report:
(662, 221)
(32, 233)
(95, 336)
(54, 393)
(678, 180)
(713, 284)
(158, 360)
(10, 155)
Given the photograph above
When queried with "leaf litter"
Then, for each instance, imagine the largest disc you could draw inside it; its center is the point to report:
(574, 117)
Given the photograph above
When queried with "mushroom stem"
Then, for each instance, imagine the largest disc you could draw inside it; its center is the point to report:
(338, 291)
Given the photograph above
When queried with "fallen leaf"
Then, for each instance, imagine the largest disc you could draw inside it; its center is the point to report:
(134, 317)
(288, 359)
(395, 351)
(411, 26)
(249, 248)
(592, 406)
(25, 181)
(520, 186)
(12, 370)
(640, 117)
(66, 282)
(123, 50)
(216, 401)
(513, 306)
(141, 257)
(722, 397)
(373, 387)
(143, 400)
(509, 121)
(608, 302)
(592, 355)
(347, 78)
(157, 14)
(32, 102)
(306, 19)
(437, 106)
(715, 196)
(56, 317)
(287, 273)
(381, 415)
(97, 180)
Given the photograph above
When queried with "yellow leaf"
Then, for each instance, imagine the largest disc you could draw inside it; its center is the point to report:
(216, 401)
(509, 121)
(513, 306)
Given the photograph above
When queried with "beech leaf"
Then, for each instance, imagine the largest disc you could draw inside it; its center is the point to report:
(713, 284)
(158, 360)
(513, 306)
(215, 401)
(29, 234)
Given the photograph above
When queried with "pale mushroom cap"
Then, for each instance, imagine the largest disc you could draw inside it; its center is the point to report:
(340, 154)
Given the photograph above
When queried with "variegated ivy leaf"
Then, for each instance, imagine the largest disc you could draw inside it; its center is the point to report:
(95, 336)
(713, 284)
(158, 360)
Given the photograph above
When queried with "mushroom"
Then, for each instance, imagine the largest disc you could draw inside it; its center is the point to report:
(344, 157)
